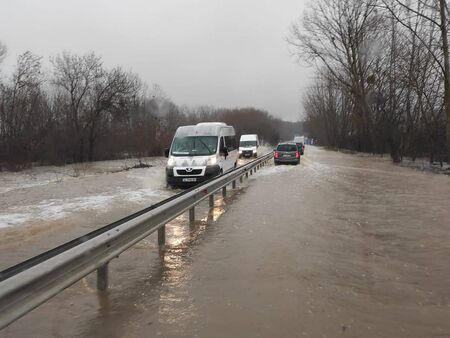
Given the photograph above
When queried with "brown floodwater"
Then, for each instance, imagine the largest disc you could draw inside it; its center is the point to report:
(341, 245)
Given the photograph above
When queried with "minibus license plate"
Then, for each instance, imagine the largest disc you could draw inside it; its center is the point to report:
(190, 179)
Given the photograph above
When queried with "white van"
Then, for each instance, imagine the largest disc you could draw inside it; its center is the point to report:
(299, 139)
(199, 152)
(248, 145)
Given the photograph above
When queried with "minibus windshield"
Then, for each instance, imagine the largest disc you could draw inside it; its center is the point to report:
(247, 144)
(194, 146)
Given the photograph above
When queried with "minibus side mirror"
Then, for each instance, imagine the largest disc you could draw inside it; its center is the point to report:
(225, 151)
(166, 152)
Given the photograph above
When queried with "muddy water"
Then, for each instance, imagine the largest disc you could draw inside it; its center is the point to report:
(47, 206)
(341, 245)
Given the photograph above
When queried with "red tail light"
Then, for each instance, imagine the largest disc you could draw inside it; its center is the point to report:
(297, 154)
(277, 154)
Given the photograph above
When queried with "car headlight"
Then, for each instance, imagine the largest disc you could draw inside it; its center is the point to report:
(171, 162)
(212, 161)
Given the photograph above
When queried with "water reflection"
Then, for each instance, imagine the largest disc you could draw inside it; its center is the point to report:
(176, 307)
(161, 300)
(214, 213)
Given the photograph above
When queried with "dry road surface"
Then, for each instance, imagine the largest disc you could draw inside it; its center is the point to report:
(339, 246)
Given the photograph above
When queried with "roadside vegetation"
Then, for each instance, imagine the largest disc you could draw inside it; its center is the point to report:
(79, 111)
(382, 75)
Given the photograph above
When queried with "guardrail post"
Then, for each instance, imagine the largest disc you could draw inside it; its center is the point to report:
(211, 201)
(241, 179)
(192, 214)
(102, 277)
(251, 172)
(233, 185)
(246, 174)
(162, 235)
(224, 191)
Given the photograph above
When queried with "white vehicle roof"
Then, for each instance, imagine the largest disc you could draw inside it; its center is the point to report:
(211, 124)
(205, 129)
(249, 137)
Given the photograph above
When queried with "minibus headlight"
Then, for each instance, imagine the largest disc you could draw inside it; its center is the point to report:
(212, 161)
(170, 162)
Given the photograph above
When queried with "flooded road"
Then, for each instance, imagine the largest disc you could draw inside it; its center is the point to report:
(44, 207)
(339, 246)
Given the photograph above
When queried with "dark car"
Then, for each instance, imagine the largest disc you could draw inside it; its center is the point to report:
(287, 153)
(301, 147)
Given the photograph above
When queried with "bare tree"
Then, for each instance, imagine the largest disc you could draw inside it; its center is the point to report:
(24, 114)
(74, 77)
(92, 96)
(114, 93)
(3, 51)
(435, 12)
(344, 36)
(384, 61)
(327, 108)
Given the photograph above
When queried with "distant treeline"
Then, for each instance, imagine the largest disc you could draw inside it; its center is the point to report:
(383, 75)
(82, 111)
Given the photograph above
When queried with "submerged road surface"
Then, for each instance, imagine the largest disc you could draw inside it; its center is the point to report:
(339, 246)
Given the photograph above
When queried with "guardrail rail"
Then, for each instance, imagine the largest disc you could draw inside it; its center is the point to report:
(27, 285)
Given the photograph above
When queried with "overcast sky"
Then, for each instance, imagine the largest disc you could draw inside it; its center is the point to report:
(225, 53)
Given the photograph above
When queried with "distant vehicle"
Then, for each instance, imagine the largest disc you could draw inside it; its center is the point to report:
(300, 141)
(287, 152)
(301, 147)
(200, 152)
(248, 145)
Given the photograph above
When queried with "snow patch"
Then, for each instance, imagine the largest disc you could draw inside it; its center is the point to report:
(10, 220)
(275, 170)
(142, 195)
(54, 209)
(57, 208)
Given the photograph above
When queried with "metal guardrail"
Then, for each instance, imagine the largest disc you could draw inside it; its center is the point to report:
(27, 285)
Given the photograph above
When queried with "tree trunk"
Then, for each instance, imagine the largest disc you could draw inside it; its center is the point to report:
(432, 151)
(81, 148)
(91, 143)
